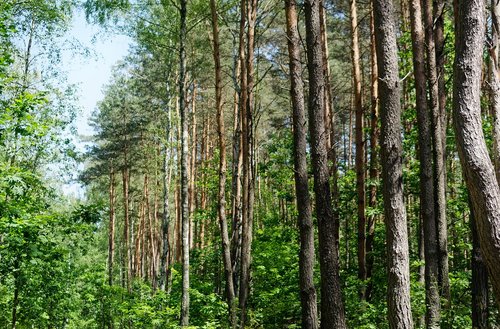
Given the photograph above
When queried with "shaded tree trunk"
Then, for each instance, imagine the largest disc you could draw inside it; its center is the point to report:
(479, 281)
(433, 306)
(478, 169)
(184, 167)
(398, 294)
(360, 149)
(374, 155)
(332, 307)
(306, 254)
(248, 179)
(111, 230)
(226, 248)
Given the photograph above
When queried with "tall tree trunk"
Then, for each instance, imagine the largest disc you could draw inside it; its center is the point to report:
(192, 170)
(374, 155)
(398, 294)
(360, 149)
(248, 179)
(306, 254)
(332, 307)
(226, 248)
(165, 222)
(111, 230)
(478, 169)
(427, 213)
(439, 134)
(127, 261)
(479, 281)
(184, 167)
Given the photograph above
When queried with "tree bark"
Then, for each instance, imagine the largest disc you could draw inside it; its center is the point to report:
(306, 254)
(332, 307)
(360, 149)
(478, 169)
(495, 83)
(433, 306)
(439, 142)
(398, 295)
(479, 281)
(184, 167)
(226, 248)
(248, 180)
(111, 230)
(374, 156)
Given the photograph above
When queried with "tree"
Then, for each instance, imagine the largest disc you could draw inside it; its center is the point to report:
(226, 248)
(398, 289)
(184, 166)
(478, 169)
(427, 212)
(332, 306)
(306, 256)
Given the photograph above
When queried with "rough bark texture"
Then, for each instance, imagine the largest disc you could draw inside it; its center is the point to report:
(439, 142)
(184, 167)
(360, 148)
(426, 170)
(495, 83)
(248, 182)
(332, 307)
(398, 294)
(478, 169)
(479, 282)
(226, 248)
(374, 155)
(306, 254)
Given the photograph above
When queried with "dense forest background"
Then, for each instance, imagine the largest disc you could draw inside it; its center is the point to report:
(255, 163)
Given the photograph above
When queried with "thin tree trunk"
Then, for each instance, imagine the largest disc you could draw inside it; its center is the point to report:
(374, 155)
(248, 181)
(184, 167)
(439, 135)
(433, 306)
(226, 248)
(127, 261)
(360, 146)
(478, 169)
(398, 294)
(306, 254)
(332, 307)
(192, 170)
(111, 230)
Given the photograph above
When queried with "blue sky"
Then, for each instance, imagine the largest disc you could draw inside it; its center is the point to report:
(93, 72)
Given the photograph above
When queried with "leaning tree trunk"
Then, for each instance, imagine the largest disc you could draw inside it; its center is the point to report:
(332, 306)
(478, 168)
(184, 167)
(398, 294)
(306, 254)
(427, 213)
(495, 83)
(226, 248)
